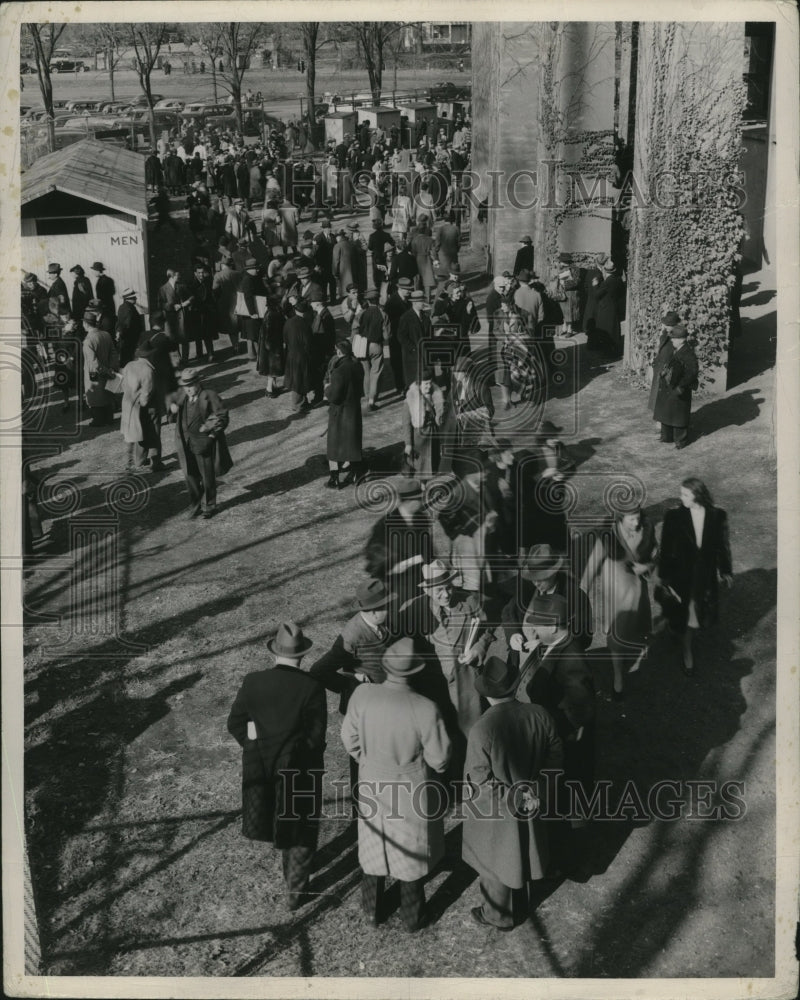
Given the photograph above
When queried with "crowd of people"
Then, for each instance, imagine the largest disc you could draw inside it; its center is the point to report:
(469, 661)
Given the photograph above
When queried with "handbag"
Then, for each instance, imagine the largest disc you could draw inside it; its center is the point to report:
(360, 346)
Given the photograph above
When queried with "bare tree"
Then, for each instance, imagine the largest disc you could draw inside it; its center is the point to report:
(209, 40)
(372, 38)
(147, 39)
(45, 38)
(238, 41)
(109, 39)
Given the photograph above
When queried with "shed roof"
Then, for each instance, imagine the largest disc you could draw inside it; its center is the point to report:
(93, 170)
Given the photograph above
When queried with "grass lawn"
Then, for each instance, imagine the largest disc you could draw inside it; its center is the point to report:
(281, 88)
(132, 782)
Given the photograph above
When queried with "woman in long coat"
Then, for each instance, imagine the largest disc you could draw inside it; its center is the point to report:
(344, 390)
(695, 554)
(343, 269)
(608, 312)
(399, 740)
(423, 416)
(271, 350)
(624, 555)
(297, 340)
(140, 417)
(421, 246)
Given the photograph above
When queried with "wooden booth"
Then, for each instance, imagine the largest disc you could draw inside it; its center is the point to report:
(422, 118)
(338, 124)
(380, 117)
(83, 204)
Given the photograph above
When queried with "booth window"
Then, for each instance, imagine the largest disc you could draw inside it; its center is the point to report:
(60, 227)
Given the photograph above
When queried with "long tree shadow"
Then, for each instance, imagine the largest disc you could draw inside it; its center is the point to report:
(312, 469)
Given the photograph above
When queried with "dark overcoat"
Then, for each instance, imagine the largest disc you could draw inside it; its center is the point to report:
(82, 295)
(344, 392)
(608, 311)
(691, 572)
(271, 350)
(511, 743)
(290, 714)
(674, 378)
(297, 338)
(411, 331)
(202, 443)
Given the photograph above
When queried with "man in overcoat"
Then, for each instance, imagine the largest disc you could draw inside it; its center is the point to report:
(555, 675)
(323, 343)
(104, 289)
(524, 258)
(173, 299)
(398, 739)
(250, 287)
(610, 305)
(455, 624)
(675, 372)
(140, 421)
(504, 839)
(324, 243)
(201, 315)
(200, 442)
(344, 391)
(58, 289)
(396, 305)
(130, 327)
(373, 325)
(100, 362)
(400, 542)
(225, 286)
(279, 718)
(413, 329)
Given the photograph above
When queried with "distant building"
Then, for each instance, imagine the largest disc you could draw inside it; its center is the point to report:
(438, 36)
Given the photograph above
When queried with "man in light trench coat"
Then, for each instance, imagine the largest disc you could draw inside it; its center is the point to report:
(398, 739)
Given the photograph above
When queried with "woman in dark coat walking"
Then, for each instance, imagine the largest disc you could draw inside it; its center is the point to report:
(297, 339)
(695, 554)
(675, 372)
(344, 389)
(608, 310)
(271, 350)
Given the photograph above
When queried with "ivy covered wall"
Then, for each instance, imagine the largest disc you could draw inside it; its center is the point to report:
(686, 224)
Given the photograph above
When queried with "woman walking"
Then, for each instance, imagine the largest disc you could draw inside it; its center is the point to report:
(271, 350)
(345, 387)
(624, 557)
(695, 555)
(423, 416)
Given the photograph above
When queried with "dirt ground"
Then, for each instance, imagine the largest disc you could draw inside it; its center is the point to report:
(132, 782)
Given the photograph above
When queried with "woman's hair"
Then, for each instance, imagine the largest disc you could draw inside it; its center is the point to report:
(699, 490)
(619, 514)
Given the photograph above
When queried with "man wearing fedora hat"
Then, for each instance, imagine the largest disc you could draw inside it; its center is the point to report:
(373, 325)
(279, 719)
(524, 258)
(609, 309)
(544, 572)
(130, 326)
(400, 542)
(104, 289)
(675, 374)
(100, 364)
(508, 748)
(57, 289)
(455, 624)
(200, 442)
(413, 330)
(555, 674)
(529, 302)
(399, 740)
(142, 409)
(251, 287)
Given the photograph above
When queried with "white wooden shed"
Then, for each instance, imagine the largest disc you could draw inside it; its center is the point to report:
(83, 204)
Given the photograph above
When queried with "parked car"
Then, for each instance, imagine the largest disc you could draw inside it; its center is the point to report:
(170, 104)
(68, 66)
(450, 92)
(141, 100)
(77, 106)
(113, 107)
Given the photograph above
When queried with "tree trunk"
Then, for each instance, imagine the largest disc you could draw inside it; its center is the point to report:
(110, 58)
(236, 91)
(214, 78)
(311, 79)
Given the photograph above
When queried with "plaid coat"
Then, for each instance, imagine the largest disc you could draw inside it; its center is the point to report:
(398, 738)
